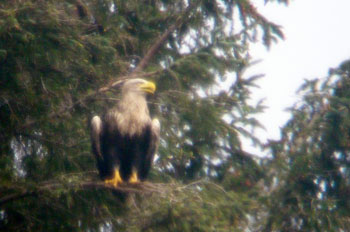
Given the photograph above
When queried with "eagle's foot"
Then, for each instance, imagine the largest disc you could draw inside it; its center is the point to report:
(133, 179)
(116, 180)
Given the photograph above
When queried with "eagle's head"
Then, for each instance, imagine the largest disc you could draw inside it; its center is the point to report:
(139, 86)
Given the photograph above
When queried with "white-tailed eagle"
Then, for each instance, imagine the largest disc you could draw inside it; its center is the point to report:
(125, 139)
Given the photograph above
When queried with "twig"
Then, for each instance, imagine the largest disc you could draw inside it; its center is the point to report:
(201, 181)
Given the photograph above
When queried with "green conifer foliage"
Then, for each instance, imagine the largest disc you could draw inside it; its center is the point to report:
(59, 63)
(310, 169)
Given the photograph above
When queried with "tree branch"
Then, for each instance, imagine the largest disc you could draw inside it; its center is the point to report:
(16, 196)
(162, 39)
(141, 188)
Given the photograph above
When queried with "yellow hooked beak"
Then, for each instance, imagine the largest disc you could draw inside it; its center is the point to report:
(148, 87)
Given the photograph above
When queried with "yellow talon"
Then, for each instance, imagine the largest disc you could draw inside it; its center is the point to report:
(115, 180)
(133, 178)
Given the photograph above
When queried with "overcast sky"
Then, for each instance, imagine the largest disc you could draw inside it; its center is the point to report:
(317, 38)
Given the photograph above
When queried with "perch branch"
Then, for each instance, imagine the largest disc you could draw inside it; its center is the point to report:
(161, 189)
(144, 187)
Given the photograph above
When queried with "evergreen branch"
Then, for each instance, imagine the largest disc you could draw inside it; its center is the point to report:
(16, 196)
(143, 187)
(140, 188)
(163, 38)
(42, 139)
(307, 127)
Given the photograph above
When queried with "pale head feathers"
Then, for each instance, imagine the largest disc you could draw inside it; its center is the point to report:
(131, 115)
